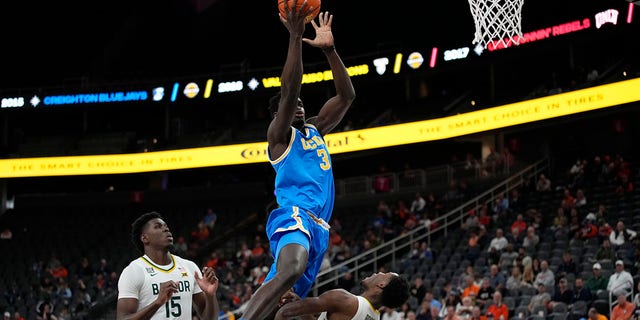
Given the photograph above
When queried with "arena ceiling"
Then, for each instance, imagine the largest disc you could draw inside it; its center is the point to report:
(49, 43)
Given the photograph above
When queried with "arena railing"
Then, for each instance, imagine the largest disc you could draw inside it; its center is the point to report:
(393, 250)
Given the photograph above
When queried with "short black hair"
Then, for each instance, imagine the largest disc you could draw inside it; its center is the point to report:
(136, 228)
(274, 102)
(395, 293)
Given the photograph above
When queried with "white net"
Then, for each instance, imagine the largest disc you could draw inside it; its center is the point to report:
(498, 22)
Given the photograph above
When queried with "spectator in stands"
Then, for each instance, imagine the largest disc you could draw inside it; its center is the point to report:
(538, 222)
(604, 231)
(580, 199)
(605, 251)
(389, 314)
(7, 315)
(545, 276)
(464, 309)
(514, 281)
(417, 289)
(581, 292)
(623, 310)
(201, 233)
(473, 246)
(507, 257)
(516, 200)
(574, 224)
(382, 181)
(636, 297)
(469, 271)
(540, 299)
(476, 314)
(17, 316)
(483, 216)
(434, 314)
(528, 276)
(621, 280)
(498, 309)
(243, 253)
(499, 242)
(472, 221)
(431, 300)
(181, 248)
(593, 314)
(485, 294)
(560, 225)
(519, 224)
(449, 303)
(516, 237)
(597, 282)
(588, 231)
(568, 200)
(621, 235)
(496, 278)
(433, 206)
(531, 240)
(543, 184)
(84, 269)
(424, 311)
(418, 205)
(567, 266)
(210, 218)
(563, 294)
(535, 264)
(470, 287)
(500, 206)
(624, 185)
(44, 311)
(451, 313)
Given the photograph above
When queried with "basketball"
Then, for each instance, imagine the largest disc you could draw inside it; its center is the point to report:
(310, 3)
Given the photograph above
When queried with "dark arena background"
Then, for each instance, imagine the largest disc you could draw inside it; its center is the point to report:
(112, 109)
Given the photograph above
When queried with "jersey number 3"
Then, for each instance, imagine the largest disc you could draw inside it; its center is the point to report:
(325, 164)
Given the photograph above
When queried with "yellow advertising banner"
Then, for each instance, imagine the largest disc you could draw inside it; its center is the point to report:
(604, 96)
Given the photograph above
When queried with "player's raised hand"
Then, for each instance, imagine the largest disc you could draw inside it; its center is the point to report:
(324, 36)
(209, 281)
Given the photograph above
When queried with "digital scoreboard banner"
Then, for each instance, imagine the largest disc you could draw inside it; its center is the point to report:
(605, 96)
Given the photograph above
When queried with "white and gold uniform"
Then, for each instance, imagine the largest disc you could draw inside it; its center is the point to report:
(141, 280)
(365, 311)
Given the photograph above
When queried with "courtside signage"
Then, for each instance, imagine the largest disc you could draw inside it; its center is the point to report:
(559, 105)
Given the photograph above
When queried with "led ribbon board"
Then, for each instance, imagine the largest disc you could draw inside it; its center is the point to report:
(604, 96)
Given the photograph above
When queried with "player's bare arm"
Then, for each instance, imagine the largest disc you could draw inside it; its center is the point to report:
(333, 302)
(206, 302)
(336, 107)
(291, 78)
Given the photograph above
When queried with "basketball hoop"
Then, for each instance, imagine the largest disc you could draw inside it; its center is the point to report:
(498, 22)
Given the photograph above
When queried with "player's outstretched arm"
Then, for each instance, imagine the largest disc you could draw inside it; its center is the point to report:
(337, 301)
(336, 107)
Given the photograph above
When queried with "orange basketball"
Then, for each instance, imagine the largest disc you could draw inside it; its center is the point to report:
(310, 3)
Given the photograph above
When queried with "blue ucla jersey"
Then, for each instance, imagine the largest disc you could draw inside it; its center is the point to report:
(304, 175)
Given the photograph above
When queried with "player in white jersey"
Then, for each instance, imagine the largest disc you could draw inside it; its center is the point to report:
(160, 285)
(380, 289)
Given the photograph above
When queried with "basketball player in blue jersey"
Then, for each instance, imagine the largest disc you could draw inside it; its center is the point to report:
(160, 285)
(380, 289)
(298, 229)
